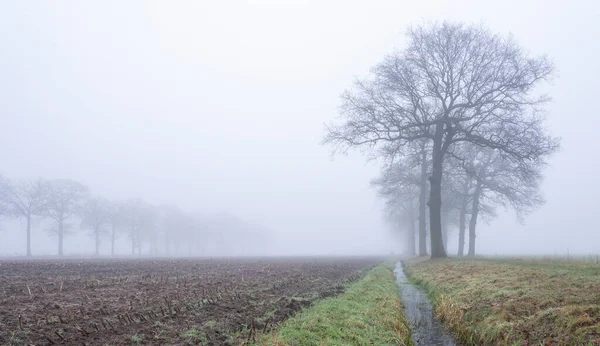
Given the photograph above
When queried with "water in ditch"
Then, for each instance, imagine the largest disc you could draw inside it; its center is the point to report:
(426, 329)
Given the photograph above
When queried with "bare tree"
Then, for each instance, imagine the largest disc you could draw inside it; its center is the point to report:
(5, 185)
(95, 215)
(497, 180)
(132, 211)
(453, 84)
(416, 153)
(65, 198)
(400, 186)
(25, 199)
(174, 224)
(116, 219)
(408, 166)
(163, 212)
(148, 230)
(464, 199)
(401, 214)
(200, 231)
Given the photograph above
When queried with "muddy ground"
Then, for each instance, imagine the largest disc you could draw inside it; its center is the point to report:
(166, 301)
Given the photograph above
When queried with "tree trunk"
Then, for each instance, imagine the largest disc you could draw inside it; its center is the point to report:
(112, 240)
(139, 242)
(423, 206)
(461, 229)
(473, 221)
(435, 197)
(462, 222)
(444, 218)
(154, 246)
(411, 251)
(60, 237)
(28, 235)
(97, 236)
(133, 240)
(445, 235)
(167, 246)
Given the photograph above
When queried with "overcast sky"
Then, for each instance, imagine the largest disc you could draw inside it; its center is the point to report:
(220, 106)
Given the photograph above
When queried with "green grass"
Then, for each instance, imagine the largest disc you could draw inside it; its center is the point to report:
(368, 313)
(14, 340)
(512, 302)
(193, 336)
(137, 339)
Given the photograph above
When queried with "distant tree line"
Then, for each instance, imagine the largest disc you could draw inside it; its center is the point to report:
(458, 124)
(69, 206)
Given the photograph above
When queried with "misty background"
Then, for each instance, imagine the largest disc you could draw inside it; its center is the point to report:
(218, 107)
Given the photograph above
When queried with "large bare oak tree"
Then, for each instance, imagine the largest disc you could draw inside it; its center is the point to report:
(452, 84)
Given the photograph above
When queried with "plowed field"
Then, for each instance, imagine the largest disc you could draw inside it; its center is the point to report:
(163, 301)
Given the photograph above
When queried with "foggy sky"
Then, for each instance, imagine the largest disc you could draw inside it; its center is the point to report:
(220, 105)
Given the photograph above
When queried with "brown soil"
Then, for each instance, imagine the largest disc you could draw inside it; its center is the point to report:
(165, 301)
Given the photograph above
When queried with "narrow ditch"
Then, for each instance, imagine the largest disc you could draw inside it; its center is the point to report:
(426, 329)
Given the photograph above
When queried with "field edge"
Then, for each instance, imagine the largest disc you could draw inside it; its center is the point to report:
(368, 312)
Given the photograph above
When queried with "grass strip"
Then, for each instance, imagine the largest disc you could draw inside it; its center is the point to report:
(368, 313)
(511, 302)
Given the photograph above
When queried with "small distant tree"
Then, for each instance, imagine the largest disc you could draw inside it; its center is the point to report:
(173, 221)
(197, 234)
(408, 166)
(4, 187)
(116, 219)
(4, 210)
(161, 226)
(133, 213)
(402, 216)
(95, 215)
(25, 199)
(191, 234)
(399, 185)
(148, 227)
(65, 198)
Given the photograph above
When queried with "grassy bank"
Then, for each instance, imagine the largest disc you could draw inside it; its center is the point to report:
(511, 302)
(368, 313)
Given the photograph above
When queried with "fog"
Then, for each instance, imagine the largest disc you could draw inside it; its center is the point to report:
(219, 107)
